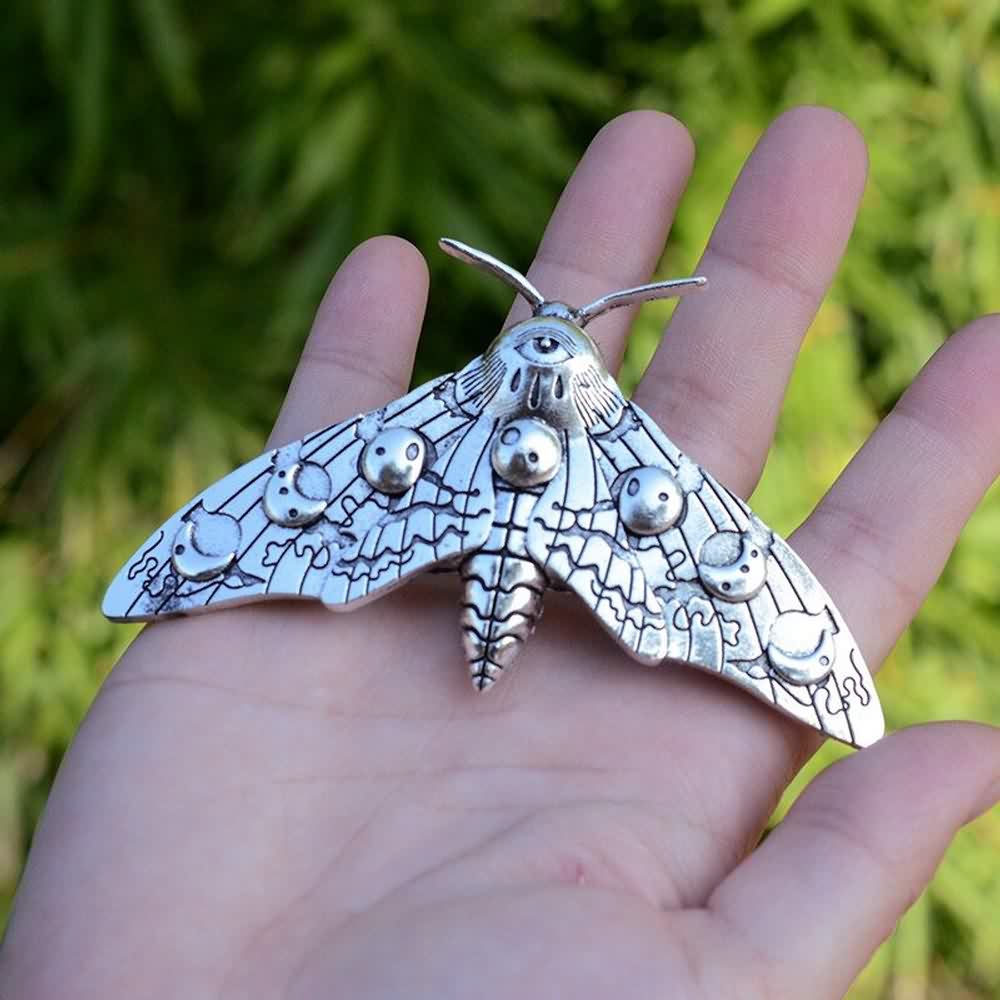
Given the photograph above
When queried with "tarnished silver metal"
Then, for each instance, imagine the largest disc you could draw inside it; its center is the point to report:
(732, 565)
(584, 314)
(205, 544)
(491, 265)
(801, 646)
(650, 500)
(526, 452)
(393, 460)
(525, 470)
(297, 494)
(503, 592)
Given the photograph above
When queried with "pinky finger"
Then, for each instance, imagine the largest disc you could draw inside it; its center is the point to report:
(813, 902)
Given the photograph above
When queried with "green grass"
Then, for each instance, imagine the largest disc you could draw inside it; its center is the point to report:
(176, 193)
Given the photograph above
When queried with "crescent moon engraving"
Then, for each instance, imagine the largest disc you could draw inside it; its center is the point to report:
(801, 648)
(297, 494)
(206, 544)
(732, 565)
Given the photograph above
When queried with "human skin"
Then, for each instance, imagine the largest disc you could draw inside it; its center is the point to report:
(273, 801)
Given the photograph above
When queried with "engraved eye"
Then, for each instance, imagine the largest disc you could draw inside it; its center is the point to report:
(543, 350)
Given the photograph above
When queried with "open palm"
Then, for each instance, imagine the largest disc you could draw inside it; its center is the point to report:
(274, 801)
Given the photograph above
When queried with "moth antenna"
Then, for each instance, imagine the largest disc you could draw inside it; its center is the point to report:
(641, 293)
(491, 265)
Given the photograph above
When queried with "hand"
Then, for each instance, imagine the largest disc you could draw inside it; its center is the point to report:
(276, 801)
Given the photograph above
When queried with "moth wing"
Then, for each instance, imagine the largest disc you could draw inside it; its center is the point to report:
(738, 601)
(224, 548)
(575, 535)
(446, 513)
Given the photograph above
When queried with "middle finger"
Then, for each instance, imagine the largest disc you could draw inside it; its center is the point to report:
(608, 230)
(718, 379)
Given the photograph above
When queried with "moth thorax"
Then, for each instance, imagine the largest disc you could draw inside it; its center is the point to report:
(526, 452)
(568, 396)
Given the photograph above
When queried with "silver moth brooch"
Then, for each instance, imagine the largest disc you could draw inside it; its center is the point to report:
(526, 470)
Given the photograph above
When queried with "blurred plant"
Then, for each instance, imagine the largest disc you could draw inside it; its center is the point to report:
(178, 184)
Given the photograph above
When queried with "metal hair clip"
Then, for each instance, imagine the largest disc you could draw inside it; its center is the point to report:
(528, 469)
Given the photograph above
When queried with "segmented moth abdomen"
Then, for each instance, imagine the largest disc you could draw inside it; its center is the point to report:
(501, 605)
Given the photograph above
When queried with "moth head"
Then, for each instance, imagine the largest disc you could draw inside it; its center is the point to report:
(543, 358)
(545, 367)
(548, 365)
(547, 342)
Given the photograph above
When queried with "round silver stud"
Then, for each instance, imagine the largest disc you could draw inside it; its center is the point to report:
(801, 647)
(393, 460)
(526, 452)
(205, 545)
(732, 566)
(297, 494)
(651, 501)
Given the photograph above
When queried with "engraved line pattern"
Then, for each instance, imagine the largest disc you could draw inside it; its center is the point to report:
(527, 469)
(622, 446)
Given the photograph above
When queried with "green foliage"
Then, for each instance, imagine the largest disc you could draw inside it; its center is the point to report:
(179, 182)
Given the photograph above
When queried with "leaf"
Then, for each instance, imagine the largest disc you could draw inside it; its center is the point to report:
(57, 22)
(171, 50)
(760, 16)
(89, 112)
